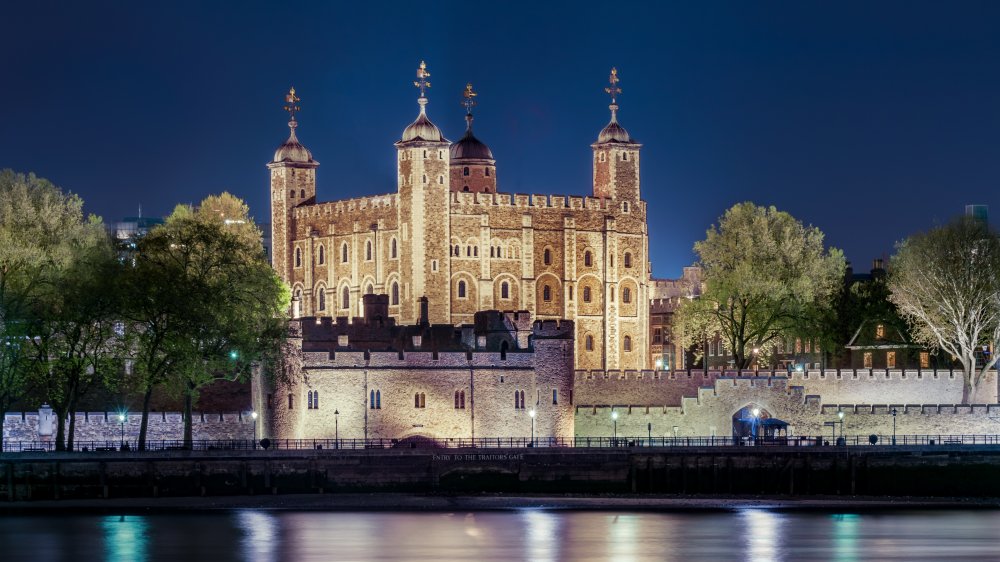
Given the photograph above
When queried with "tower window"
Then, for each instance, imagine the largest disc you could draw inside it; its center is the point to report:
(441, 180)
(322, 255)
(487, 172)
(395, 294)
(588, 259)
(624, 155)
(628, 343)
(465, 171)
(626, 295)
(346, 298)
(368, 250)
(547, 257)
(588, 343)
(392, 249)
(291, 401)
(504, 290)
(546, 293)
(459, 399)
(461, 289)
(291, 194)
(369, 289)
(321, 298)
(298, 257)
(425, 154)
(343, 253)
(586, 294)
(625, 206)
(302, 194)
(555, 396)
(628, 259)
(466, 188)
(425, 178)
(419, 400)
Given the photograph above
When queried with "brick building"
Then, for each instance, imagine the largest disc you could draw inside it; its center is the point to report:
(450, 234)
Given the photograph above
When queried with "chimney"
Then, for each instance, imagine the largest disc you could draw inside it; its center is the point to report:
(877, 266)
(424, 311)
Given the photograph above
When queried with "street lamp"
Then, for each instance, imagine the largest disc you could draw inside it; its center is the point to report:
(336, 429)
(253, 415)
(614, 417)
(532, 414)
(755, 416)
(893, 426)
(121, 419)
(840, 414)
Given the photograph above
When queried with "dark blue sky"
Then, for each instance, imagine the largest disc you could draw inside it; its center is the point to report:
(870, 120)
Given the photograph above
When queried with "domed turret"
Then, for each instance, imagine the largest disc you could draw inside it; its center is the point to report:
(292, 150)
(613, 132)
(473, 168)
(422, 129)
(616, 155)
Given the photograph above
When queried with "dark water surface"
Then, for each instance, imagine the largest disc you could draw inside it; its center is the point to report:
(538, 535)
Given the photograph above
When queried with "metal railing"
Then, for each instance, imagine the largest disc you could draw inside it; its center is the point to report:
(131, 446)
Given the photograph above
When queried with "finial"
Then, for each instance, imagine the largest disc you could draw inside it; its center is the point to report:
(291, 106)
(613, 90)
(421, 82)
(470, 99)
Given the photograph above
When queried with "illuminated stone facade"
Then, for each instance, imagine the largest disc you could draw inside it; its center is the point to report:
(448, 235)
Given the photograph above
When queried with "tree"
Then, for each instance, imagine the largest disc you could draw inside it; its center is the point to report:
(42, 230)
(766, 277)
(206, 305)
(945, 283)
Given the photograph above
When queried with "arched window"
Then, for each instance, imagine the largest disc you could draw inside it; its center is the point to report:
(588, 343)
(416, 400)
(487, 172)
(343, 253)
(625, 206)
(302, 193)
(546, 293)
(612, 292)
(465, 188)
(378, 399)
(628, 343)
(368, 250)
(626, 295)
(441, 180)
(315, 400)
(468, 251)
(395, 294)
(475, 251)
(628, 259)
(291, 401)
(346, 298)
(492, 252)
(586, 294)
(522, 399)
(321, 298)
(456, 250)
(517, 400)
(555, 396)
(465, 171)
(371, 400)
(392, 249)
(499, 252)
(309, 403)
(547, 257)
(504, 290)
(588, 259)
(321, 255)
(461, 289)
(369, 289)
(298, 257)
(291, 194)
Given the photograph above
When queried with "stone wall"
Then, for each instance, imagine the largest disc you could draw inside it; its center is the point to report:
(104, 427)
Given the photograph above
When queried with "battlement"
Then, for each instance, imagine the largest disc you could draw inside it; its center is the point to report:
(385, 201)
(553, 329)
(577, 202)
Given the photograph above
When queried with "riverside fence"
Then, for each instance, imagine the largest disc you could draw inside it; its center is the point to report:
(504, 443)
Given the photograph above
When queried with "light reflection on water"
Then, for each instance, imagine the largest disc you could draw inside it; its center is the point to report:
(752, 535)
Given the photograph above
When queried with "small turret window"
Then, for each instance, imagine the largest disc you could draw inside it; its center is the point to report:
(466, 188)
(624, 155)
(628, 259)
(395, 294)
(298, 257)
(321, 258)
(546, 293)
(291, 194)
(588, 343)
(487, 172)
(504, 290)
(368, 250)
(586, 294)
(392, 249)
(425, 178)
(425, 154)
(465, 171)
(625, 206)
(343, 253)
(461, 289)
(588, 259)
(302, 193)
(547, 257)
(346, 298)
(441, 180)
(628, 343)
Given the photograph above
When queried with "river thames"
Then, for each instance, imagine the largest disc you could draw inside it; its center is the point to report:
(527, 534)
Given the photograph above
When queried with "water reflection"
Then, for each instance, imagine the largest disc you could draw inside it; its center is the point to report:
(125, 538)
(756, 535)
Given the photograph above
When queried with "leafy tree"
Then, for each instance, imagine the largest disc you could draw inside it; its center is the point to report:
(42, 230)
(945, 284)
(766, 277)
(206, 305)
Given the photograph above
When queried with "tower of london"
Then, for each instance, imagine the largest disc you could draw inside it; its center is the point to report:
(450, 233)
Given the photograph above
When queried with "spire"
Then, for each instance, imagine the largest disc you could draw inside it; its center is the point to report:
(422, 84)
(613, 90)
(469, 102)
(291, 106)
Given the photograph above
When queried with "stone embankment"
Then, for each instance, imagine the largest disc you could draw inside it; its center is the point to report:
(941, 470)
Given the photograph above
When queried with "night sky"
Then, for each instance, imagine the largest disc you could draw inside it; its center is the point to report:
(870, 120)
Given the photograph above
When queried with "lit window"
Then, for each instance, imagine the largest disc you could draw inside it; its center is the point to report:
(880, 331)
(868, 360)
(890, 360)
(925, 360)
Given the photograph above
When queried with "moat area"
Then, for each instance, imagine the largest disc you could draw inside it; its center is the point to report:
(751, 534)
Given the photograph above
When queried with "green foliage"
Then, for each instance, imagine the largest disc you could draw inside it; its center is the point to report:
(945, 283)
(766, 277)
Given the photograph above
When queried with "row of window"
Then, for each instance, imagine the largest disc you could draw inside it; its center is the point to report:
(344, 253)
(588, 258)
(419, 400)
(588, 343)
(466, 171)
(345, 295)
(603, 156)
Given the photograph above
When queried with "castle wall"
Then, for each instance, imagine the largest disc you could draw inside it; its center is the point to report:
(103, 428)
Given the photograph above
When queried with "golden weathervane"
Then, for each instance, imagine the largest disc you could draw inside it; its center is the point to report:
(613, 90)
(470, 98)
(422, 76)
(291, 103)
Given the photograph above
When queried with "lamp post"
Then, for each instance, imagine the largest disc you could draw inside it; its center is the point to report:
(253, 415)
(893, 426)
(336, 429)
(532, 415)
(840, 415)
(614, 417)
(121, 419)
(754, 417)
